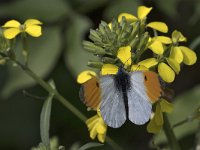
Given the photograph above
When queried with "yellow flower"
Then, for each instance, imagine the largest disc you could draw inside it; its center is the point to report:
(124, 55)
(97, 127)
(177, 53)
(181, 53)
(142, 13)
(156, 123)
(85, 76)
(156, 44)
(166, 72)
(30, 26)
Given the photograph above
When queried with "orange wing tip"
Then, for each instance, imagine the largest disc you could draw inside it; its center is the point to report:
(85, 76)
(90, 93)
(153, 87)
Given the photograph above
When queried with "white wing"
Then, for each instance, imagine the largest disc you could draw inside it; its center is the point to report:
(112, 106)
(138, 102)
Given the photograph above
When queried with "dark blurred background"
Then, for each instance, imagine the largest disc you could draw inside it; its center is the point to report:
(58, 54)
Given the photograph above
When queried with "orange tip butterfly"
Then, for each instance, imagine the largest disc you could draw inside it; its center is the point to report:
(121, 96)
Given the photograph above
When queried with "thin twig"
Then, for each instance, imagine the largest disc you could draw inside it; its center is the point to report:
(173, 143)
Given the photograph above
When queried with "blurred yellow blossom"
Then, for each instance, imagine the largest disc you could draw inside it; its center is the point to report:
(156, 122)
(31, 26)
(97, 127)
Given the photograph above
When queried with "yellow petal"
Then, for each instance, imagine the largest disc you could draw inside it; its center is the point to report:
(148, 63)
(92, 121)
(101, 128)
(166, 73)
(12, 24)
(178, 37)
(156, 47)
(159, 26)
(93, 132)
(174, 65)
(176, 54)
(124, 54)
(130, 18)
(11, 33)
(158, 115)
(138, 67)
(85, 76)
(143, 11)
(109, 69)
(166, 106)
(163, 39)
(31, 22)
(152, 127)
(110, 25)
(189, 56)
(101, 137)
(34, 30)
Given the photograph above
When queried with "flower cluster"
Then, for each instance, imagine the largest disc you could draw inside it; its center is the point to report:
(124, 41)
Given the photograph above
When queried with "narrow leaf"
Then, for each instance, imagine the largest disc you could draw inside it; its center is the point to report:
(90, 145)
(45, 121)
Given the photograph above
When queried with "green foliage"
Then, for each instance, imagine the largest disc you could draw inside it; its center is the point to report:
(75, 56)
(45, 10)
(47, 52)
(44, 53)
(90, 145)
(184, 106)
(45, 121)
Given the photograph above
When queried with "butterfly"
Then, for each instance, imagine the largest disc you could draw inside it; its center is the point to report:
(125, 95)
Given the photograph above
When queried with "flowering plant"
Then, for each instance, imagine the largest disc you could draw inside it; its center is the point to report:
(124, 42)
(123, 47)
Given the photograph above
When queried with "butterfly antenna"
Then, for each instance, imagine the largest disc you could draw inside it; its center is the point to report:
(126, 62)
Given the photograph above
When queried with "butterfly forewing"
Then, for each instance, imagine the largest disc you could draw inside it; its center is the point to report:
(139, 104)
(90, 93)
(112, 104)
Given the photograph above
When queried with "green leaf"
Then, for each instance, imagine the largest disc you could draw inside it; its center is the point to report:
(76, 57)
(90, 145)
(118, 6)
(184, 106)
(46, 10)
(45, 121)
(44, 53)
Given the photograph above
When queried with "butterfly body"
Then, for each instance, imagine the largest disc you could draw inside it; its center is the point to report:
(122, 82)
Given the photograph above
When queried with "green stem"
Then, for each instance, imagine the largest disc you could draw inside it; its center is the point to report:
(25, 52)
(173, 143)
(180, 123)
(61, 99)
(48, 88)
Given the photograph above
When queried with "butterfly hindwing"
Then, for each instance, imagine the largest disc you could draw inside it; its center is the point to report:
(139, 104)
(112, 104)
